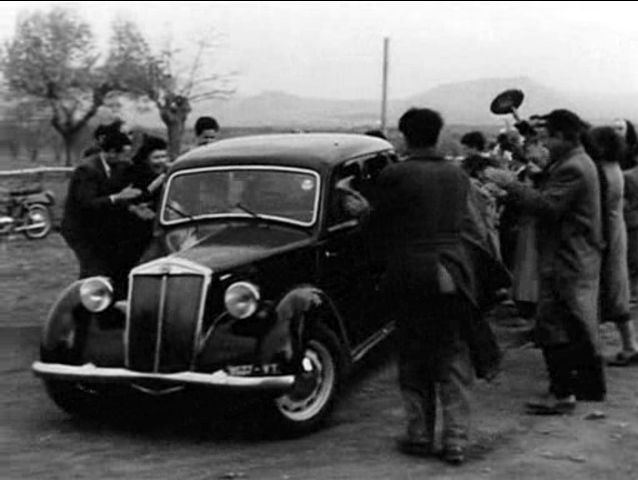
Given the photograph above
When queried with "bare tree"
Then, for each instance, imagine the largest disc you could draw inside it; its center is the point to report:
(30, 129)
(166, 78)
(52, 57)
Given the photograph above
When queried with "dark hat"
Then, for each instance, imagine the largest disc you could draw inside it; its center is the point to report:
(105, 129)
(115, 141)
(562, 120)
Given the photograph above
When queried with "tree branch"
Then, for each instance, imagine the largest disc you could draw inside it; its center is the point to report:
(216, 93)
(196, 64)
(99, 95)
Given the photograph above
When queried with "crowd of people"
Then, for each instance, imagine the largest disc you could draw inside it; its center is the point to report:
(554, 203)
(546, 218)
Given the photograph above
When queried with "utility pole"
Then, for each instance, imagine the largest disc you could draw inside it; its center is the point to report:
(384, 93)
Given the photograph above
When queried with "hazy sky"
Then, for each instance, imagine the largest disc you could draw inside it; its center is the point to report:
(334, 49)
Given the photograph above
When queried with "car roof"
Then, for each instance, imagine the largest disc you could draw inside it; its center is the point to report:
(318, 151)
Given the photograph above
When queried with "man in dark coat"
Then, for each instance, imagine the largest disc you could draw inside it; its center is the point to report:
(96, 201)
(419, 218)
(567, 207)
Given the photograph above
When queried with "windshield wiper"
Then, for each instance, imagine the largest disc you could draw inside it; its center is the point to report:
(249, 211)
(173, 208)
(179, 211)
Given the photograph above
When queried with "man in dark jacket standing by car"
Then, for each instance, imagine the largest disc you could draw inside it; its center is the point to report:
(567, 207)
(419, 219)
(96, 203)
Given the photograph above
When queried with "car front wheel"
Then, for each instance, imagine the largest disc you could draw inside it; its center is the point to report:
(307, 405)
(74, 398)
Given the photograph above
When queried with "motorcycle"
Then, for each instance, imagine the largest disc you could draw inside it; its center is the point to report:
(26, 211)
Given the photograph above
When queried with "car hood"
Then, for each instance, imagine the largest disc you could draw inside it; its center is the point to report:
(238, 245)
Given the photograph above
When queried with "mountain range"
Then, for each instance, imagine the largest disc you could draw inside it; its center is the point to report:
(460, 103)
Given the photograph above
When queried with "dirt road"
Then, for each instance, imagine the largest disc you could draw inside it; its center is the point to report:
(37, 441)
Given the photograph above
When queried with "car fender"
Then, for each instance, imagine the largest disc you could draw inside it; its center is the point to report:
(295, 312)
(45, 198)
(60, 325)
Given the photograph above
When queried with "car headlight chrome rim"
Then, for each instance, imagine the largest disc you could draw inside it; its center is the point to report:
(242, 299)
(96, 294)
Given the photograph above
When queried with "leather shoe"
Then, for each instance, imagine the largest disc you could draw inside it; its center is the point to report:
(563, 406)
(590, 396)
(623, 359)
(453, 454)
(417, 448)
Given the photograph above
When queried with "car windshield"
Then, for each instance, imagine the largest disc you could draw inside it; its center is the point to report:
(279, 193)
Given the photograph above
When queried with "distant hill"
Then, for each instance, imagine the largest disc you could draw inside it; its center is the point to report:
(279, 109)
(460, 103)
(469, 102)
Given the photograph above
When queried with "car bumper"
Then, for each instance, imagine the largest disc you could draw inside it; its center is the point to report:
(221, 379)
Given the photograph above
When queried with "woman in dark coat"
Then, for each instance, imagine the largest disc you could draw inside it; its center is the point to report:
(147, 174)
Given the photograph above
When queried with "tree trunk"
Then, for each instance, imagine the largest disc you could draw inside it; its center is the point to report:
(68, 151)
(69, 128)
(70, 140)
(175, 130)
(34, 152)
(173, 112)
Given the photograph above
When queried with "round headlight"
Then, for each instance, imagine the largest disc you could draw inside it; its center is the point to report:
(241, 299)
(96, 294)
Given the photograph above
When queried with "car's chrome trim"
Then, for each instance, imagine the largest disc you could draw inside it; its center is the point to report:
(169, 266)
(343, 225)
(160, 323)
(199, 329)
(359, 352)
(91, 373)
(160, 392)
(315, 213)
(121, 305)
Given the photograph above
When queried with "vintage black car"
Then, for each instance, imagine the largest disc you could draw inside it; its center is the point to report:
(258, 279)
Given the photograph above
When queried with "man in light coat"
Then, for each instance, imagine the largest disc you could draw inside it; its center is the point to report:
(567, 207)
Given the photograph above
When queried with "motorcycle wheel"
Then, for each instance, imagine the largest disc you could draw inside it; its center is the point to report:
(39, 215)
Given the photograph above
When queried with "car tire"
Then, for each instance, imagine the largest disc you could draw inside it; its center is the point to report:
(310, 401)
(38, 214)
(75, 399)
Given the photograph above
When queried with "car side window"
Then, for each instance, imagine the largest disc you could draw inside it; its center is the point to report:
(347, 177)
(371, 168)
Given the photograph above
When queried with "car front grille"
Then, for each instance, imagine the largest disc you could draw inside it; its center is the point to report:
(165, 312)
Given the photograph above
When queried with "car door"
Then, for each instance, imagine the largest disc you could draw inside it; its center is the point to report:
(348, 268)
(376, 309)
(342, 261)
